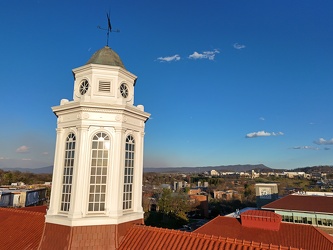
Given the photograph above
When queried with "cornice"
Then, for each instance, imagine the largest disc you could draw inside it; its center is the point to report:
(108, 68)
(74, 107)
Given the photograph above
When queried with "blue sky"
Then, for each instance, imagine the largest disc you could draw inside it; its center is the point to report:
(226, 82)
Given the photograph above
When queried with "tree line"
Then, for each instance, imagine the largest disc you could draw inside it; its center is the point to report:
(9, 177)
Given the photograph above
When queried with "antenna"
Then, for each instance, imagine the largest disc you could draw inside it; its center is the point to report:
(109, 29)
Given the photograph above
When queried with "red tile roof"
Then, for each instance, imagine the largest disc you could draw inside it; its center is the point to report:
(150, 238)
(305, 203)
(84, 237)
(261, 219)
(293, 235)
(20, 229)
(262, 214)
(41, 209)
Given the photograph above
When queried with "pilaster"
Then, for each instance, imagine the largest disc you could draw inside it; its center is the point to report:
(80, 189)
(57, 172)
(116, 185)
(138, 172)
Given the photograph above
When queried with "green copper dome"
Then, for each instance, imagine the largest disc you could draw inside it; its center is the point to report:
(106, 56)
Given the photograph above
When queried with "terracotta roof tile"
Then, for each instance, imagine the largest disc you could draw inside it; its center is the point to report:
(20, 229)
(309, 203)
(261, 219)
(150, 238)
(41, 209)
(261, 213)
(293, 235)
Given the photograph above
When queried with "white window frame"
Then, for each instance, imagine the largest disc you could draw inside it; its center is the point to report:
(99, 163)
(68, 168)
(129, 164)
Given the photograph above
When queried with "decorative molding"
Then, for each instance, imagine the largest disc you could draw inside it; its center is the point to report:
(82, 116)
(59, 130)
(96, 108)
(129, 131)
(118, 118)
(121, 118)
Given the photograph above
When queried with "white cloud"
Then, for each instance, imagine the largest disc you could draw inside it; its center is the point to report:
(262, 134)
(210, 55)
(262, 118)
(45, 153)
(322, 141)
(22, 149)
(239, 46)
(26, 159)
(169, 58)
(278, 133)
(306, 147)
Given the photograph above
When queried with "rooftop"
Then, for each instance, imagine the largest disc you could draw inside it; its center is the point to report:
(305, 203)
(150, 238)
(21, 228)
(293, 235)
(106, 56)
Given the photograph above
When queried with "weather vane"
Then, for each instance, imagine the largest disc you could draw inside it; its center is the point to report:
(109, 29)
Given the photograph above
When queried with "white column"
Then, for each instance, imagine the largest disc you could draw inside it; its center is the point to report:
(58, 169)
(116, 175)
(78, 205)
(138, 173)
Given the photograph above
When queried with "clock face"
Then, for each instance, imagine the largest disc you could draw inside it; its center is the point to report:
(124, 90)
(84, 86)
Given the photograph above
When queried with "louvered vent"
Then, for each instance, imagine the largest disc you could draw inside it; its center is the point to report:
(104, 87)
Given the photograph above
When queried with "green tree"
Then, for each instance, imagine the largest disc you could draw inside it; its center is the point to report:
(249, 193)
(173, 203)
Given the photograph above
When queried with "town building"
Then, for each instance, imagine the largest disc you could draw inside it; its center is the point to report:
(295, 174)
(22, 197)
(202, 200)
(225, 195)
(266, 193)
(314, 208)
(267, 227)
(214, 173)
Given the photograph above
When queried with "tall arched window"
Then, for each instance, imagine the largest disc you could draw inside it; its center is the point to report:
(98, 172)
(68, 173)
(128, 173)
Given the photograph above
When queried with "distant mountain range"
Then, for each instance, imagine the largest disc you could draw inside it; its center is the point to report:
(232, 168)
(44, 170)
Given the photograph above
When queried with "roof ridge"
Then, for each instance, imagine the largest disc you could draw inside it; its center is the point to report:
(324, 234)
(300, 203)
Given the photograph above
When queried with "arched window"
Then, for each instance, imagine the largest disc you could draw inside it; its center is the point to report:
(98, 172)
(68, 173)
(128, 173)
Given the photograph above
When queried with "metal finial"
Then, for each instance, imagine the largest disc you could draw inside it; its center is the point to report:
(109, 29)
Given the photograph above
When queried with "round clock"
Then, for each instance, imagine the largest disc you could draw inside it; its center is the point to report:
(124, 90)
(84, 86)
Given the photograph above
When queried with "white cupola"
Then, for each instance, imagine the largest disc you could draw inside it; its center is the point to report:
(98, 165)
